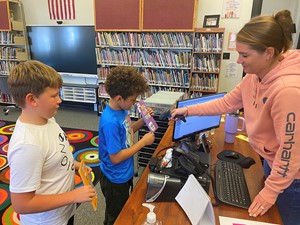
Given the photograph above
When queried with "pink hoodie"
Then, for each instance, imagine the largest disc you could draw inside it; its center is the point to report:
(272, 114)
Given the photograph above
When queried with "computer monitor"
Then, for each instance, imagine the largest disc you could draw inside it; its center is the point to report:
(195, 124)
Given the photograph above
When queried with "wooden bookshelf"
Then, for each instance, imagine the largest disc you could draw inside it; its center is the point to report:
(13, 40)
(206, 61)
(164, 58)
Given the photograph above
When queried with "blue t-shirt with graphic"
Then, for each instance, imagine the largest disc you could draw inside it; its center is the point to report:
(115, 134)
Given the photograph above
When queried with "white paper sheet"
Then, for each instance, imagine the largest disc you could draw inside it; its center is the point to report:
(234, 221)
(196, 203)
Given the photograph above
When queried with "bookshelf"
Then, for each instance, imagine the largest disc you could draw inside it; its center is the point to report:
(206, 61)
(13, 40)
(164, 58)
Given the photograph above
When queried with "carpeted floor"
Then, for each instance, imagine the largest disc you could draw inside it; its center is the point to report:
(84, 145)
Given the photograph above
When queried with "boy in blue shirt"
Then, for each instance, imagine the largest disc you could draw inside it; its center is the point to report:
(116, 147)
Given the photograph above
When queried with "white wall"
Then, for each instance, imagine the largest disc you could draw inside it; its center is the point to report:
(213, 7)
(270, 7)
(36, 13)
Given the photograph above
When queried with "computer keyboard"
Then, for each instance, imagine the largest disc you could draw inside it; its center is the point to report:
(231, 186)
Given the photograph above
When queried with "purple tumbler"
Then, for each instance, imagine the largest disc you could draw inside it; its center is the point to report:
(231, 126)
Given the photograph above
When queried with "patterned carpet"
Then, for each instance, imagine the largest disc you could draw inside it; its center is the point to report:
(84, 145)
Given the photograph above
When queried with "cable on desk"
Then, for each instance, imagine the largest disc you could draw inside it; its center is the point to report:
(213, 183)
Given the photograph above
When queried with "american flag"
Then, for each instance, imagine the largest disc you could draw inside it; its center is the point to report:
(61, 9)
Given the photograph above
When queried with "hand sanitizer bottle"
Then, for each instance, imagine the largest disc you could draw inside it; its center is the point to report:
(167, 160)
(151, 216)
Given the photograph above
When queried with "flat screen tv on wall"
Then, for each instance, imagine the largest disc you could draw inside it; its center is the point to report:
(68, 49)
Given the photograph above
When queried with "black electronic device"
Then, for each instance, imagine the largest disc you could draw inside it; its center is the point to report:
(231, 155)
(205, 146)
(189, 161)
(186, 162)
(195, 124)
(167, 114)
(68, 49)
(181, 117)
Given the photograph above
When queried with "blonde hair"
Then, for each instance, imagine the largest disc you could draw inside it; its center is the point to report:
(31, 77)
(268, 31)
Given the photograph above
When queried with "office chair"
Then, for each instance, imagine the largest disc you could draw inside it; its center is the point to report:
(6, 99)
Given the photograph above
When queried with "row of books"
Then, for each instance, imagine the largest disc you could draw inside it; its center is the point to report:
(102, 92)
(8, 53)
(6, 37)
(155, 76)
(206, 82)
(5, 98)
(208, 42)
(206, 63)
(139, 57)
(152, 89)
(196, 94)
(6, 66)
(167, 77)
(135, 39)
(102, 73)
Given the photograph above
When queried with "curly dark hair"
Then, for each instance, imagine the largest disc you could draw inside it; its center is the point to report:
(125, 81)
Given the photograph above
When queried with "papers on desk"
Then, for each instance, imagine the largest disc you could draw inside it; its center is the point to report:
(234, 221)
(196, 203)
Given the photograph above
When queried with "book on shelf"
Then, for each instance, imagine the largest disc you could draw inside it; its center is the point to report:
(148, 119)
(86, 179)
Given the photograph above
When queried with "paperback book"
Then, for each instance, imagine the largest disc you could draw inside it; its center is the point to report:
(149, 120)
(86, 179)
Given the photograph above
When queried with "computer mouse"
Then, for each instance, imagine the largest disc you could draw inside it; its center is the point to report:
(231, 154)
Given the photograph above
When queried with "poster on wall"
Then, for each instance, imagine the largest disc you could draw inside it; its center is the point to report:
(231, 9)
(231, 41)
(231, 69)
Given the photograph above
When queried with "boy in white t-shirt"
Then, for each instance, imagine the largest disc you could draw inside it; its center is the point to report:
(41, 163)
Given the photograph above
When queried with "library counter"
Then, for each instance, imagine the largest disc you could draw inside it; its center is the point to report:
(171, 213)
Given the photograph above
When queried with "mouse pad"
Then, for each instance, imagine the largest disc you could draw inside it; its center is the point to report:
(243, 161)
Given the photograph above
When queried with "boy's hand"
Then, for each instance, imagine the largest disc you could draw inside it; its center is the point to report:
(150, 111)
(148, 138)
(84, 194)
(89, 169)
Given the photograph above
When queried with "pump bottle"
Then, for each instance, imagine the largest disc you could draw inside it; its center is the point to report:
(151, 216)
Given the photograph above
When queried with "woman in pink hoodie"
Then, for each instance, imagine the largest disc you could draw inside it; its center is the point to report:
(270, 95)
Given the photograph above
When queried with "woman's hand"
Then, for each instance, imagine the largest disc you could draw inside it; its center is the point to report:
(179, 111)
(259, 206)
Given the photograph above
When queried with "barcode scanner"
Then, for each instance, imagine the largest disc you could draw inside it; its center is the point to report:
(181, 117)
